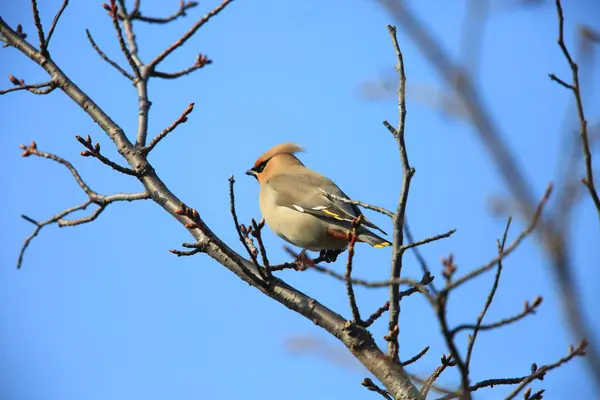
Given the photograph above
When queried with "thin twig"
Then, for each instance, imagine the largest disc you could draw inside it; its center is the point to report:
(40, 225)
(447, 361)
(416, 357)
(201, 62)
(257, 233)
(131, 40)
(488, 302)
(188, 34)
(32, 150)
(419, 256)
(55, 22)
(94, 151)
(540, 372)
(527, 310)
(348, 276)
(93, 197)
(376, 315)
(484, 384)
(36, 88)
(123, 45)
(361, 204)
(105, 57)
(588, 181)
(181, 120)
(509, 249)
(196, 248)
(239, 231)
(398, 220)
(417, 286)
(184, 6)
(38, 25)
(370, 385)
(428, 240)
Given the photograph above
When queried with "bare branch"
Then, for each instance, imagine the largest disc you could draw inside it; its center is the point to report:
(416, 357)
(509, 249)
(398, 220)
(38, 25)
(32, 150)
(257, 233)
(183, 7)
(419, 256)
(93, 197)
(105, 57)
(488, 302)
(361, 204)
(539, 373)
(55, 22)
(197, 248)
(428, 240)
(36, 88)
(124, 48)
(527, 310)
(181, 120)
(376, 315)
(252, 254)
(40, 225)
(348, 276)
(188, 34)
(370, 385)
(201, 61)
(447, 361)
(588, 181)
(94, 151)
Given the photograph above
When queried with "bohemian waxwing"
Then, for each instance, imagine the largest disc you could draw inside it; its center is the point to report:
(294, 203)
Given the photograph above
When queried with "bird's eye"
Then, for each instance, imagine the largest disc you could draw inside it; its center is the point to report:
(260, 167)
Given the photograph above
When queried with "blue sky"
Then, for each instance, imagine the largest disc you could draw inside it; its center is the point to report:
(104, 311)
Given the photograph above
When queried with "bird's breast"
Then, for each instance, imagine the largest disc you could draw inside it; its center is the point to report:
(300, 229)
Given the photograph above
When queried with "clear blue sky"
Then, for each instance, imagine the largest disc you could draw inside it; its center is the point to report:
(104, 311)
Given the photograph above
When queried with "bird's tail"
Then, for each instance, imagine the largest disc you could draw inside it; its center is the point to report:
(371, 238)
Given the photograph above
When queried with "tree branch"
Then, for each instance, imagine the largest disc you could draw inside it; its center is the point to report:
(550, 236)
(201, 62)
(183, 7)
(488, 301)
(532, 225)
(93, 198)
(105, 57)
(123, 45)
(357, 339)
(152, 65)
(94, 151)
(416, 357)
(36, 88)
(181, 120)
(398, 220)
(588, 181)
(348, 276)
(55, 22)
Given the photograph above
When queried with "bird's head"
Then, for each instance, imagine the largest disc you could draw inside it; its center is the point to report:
(275, 161)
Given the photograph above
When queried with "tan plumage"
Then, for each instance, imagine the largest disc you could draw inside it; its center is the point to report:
(294, 202)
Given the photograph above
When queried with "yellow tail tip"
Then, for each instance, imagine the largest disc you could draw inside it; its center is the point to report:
(382, 245)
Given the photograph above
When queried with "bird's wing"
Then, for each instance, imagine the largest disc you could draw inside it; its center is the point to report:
(308, 193)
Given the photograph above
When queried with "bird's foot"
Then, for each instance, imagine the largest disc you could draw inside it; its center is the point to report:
(329, 256)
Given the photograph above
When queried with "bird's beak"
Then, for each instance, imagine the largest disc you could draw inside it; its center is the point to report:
(251, 173)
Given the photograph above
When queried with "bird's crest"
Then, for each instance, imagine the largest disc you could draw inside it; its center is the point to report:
(283, 148)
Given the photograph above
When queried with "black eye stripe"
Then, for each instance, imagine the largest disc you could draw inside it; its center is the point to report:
(260, 167)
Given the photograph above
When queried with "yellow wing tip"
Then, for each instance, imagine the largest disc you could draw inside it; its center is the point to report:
(382, 245)
(334, 215)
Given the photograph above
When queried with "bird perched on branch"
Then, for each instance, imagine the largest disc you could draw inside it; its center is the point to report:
(296, 204)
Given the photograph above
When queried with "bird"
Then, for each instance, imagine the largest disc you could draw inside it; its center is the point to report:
(297, 205)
